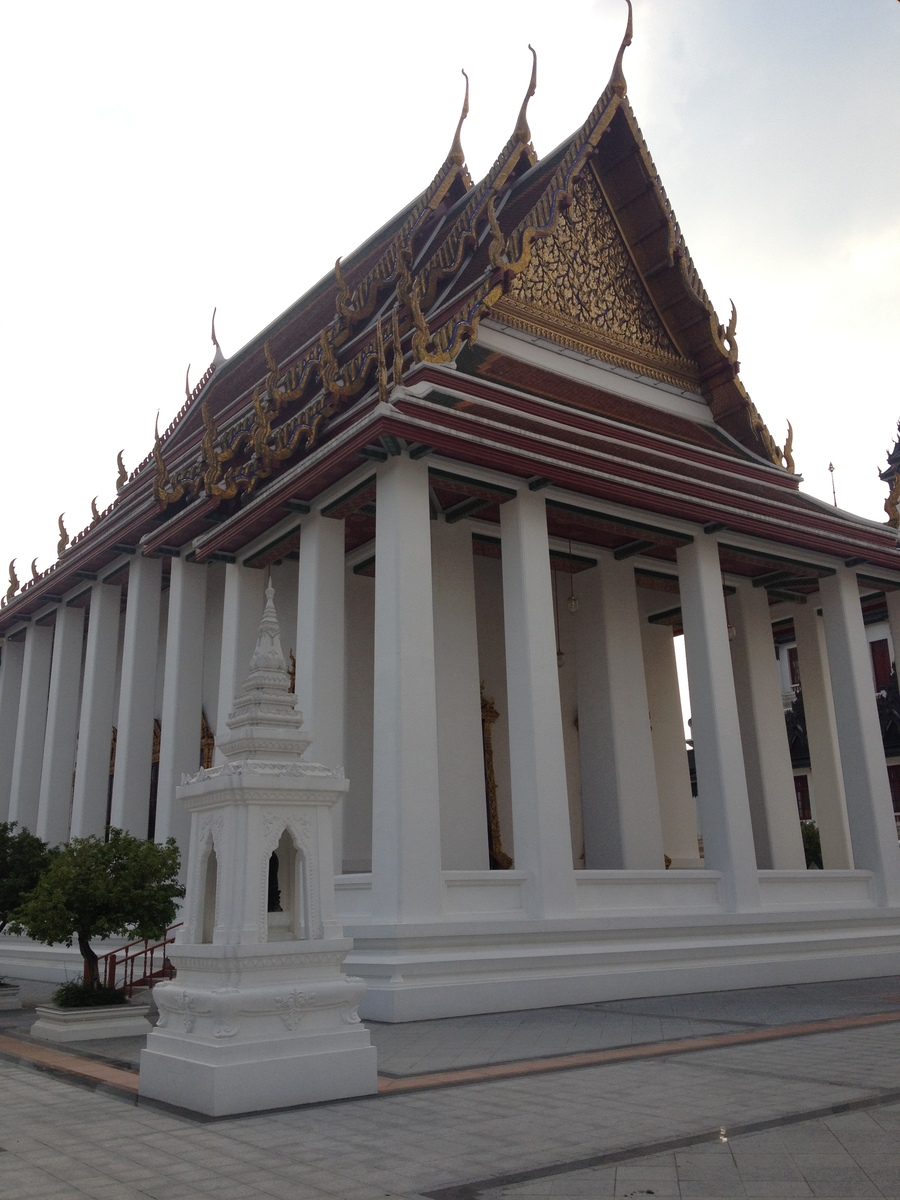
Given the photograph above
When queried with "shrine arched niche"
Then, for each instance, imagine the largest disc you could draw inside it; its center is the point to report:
(291, 910)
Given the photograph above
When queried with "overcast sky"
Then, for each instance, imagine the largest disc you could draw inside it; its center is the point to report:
(162, 160)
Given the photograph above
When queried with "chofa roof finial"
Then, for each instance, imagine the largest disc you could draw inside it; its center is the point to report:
(456, 151)
(522, 132)
(218, 357)
(617, 79)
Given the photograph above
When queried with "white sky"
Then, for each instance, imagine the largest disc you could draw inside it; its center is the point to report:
(161, 160)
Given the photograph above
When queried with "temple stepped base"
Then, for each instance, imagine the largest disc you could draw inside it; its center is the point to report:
(419, 972)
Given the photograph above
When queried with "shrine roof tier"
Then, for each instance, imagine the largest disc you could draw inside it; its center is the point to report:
(425, 339)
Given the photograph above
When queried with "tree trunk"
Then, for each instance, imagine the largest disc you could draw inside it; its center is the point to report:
(91, 969)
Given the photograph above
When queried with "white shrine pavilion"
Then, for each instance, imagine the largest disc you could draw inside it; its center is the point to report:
(494, 464)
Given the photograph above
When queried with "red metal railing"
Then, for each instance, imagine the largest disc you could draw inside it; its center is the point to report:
(138, 964)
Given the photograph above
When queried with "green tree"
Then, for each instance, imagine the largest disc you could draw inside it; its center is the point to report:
(23, 859)
(124, 887)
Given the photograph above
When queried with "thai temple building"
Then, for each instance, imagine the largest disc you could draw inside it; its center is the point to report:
(494, 465)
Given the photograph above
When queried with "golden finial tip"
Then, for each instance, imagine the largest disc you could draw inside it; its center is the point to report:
(187, 382)
(522, 132)
(617, 79)
(456, 151)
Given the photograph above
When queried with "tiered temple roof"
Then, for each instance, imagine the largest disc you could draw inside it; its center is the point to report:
(580, 250)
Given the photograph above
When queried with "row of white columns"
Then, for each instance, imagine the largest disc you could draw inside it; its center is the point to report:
(427, 790)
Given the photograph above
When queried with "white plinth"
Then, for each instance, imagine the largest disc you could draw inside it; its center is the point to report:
(87, 1024)
(249, 1028)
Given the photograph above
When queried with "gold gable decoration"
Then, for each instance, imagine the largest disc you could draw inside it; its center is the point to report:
(582, 289)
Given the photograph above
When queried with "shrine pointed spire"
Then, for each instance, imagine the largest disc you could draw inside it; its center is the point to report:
(268, 657)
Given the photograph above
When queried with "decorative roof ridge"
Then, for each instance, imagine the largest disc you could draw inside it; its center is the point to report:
(509, 255)
(355, 303)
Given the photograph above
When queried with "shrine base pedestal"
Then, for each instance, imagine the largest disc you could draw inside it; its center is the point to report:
(248, 1028)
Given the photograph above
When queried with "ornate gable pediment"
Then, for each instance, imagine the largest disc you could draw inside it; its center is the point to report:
(582, 289)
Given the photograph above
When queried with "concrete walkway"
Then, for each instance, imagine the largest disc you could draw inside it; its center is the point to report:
(770, 1092)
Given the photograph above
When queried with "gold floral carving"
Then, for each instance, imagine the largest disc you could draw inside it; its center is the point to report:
(581, 283)
(891, 505)
(499, 858)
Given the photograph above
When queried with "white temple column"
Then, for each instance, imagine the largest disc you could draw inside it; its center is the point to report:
(320, 648)
(869, 810)
(30, 727)
(618, 780)
(11, 660)
(244, 589)
(182, 700)
(464, 838)
(95, 725)
(137, 694)
(406, 833)
(821, 734)
(722, 798)
(767, 756)
(541, 835)
(677, 808)
(62, 726)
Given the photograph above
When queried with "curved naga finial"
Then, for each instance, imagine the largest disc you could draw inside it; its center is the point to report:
(522, 132)
(63, 536)
(788, 451)
(456, 151)
(95, 511)
(122, 478)
(218, 357)
(187, 382)
(617, 79)
(13, 581)
(35, 573)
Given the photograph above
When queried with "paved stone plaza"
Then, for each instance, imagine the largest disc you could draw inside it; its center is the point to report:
(772, 1092)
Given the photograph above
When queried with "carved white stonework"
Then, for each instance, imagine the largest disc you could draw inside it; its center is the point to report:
(260, 1015)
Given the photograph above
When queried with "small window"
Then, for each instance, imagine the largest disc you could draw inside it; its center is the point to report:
(881, 663)
(894, 781)
(794, 665)
(801, 787)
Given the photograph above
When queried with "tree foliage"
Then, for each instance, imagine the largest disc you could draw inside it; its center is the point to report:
(23, 859)
(124, 887)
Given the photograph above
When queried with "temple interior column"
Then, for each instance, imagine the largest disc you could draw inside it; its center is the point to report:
(242, 604)
(767, 756)
(97, 706)
(62, 726)
(137, 694)
(12, 658)
(31, 726)
(464, 843)
(821, 733)
(406, 833)
(869, 811)
(320, 649)
(677, 808)
(722, 799)
(892, 600)
(359, 690)
(618, 781)
(541, 834)
(179, 742)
